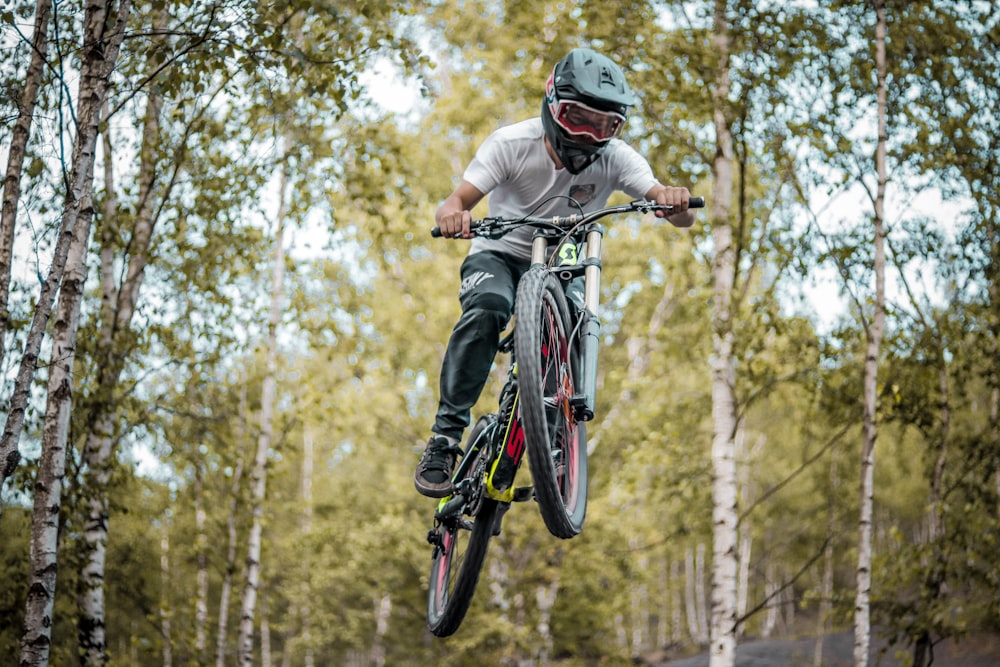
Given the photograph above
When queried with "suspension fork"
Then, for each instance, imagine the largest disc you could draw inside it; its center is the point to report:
(590, 334)
(583, 402)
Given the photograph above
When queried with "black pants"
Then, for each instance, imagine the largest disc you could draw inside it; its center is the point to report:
(489, 284)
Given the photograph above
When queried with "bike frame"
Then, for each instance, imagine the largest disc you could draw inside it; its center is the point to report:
(504, 455)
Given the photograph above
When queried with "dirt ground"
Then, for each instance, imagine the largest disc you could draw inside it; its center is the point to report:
(838, 651)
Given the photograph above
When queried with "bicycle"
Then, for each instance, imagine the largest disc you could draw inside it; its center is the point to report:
(543, 408)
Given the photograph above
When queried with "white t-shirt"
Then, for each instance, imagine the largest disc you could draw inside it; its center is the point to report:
(514, 169)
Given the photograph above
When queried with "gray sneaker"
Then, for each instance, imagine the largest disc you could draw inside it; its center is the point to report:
(433, 476)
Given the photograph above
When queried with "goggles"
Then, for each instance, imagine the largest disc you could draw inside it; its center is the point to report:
(579, 120)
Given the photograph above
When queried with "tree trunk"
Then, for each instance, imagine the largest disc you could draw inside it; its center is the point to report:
(771, 587)
(244, 647)
(675, 603)
(724, 488)
(744, 530)
(640, 615)
(265, 634)
(15, 162)
(165, 612)
(305, 611)
(37, 636)
(935, 575)
(545, 596)
(826, 591)
(499, 581)
(695, 594)
(118, 306)
(862, 611)
(201, 578)
(383, 609)
(103, 32)
(230, 569)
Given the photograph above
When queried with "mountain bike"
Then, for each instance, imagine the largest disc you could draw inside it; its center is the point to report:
(544, 405)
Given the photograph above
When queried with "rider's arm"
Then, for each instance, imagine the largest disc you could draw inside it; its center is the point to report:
(676, 197)
(453, 216)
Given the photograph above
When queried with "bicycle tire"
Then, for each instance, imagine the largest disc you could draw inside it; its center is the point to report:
(548, 369)
(458, 561)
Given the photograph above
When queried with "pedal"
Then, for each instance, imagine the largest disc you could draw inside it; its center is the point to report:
(524, 494)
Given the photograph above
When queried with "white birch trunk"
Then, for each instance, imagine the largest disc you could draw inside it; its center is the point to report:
(307, 505)
(20, 134)
(774, 606)
(165, 613)
(383, 609)
(700, 599)
(743, 577)
(499, 581)
(201, 577)
(37, 636)
(258, 477)
(666, 589)
(862, 603)
(620, 632)
(117, 309)
(519, 611)
(676, 605)
(265, 635)
(640, 618)
(227, 580)
(826, 592)
(695, 595)
(545, 596)
(722, 651)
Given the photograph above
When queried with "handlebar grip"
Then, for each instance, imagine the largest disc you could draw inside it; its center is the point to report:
(696, 202)
(436, 232)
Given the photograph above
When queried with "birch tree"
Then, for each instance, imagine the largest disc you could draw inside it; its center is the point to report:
(258, 473)
(46, 516)
(229, 566)
(724, 483)
(874, 331)
(12, 177)
(118, 304)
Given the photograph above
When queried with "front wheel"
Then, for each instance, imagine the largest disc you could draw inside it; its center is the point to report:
(460, 544)
(548, 372)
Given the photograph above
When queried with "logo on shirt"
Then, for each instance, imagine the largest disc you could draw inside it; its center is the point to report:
(582, 193)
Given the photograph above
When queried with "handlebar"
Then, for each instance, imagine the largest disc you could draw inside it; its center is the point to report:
(495, 225)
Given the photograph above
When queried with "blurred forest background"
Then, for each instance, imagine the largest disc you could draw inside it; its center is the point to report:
(211, 438)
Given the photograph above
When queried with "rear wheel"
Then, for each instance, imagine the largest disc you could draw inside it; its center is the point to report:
(548, 370)
(460, 544)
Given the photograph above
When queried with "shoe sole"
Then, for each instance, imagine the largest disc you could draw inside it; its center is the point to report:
(433, 491)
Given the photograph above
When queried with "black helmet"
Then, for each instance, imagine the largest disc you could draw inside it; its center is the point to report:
(585, 106)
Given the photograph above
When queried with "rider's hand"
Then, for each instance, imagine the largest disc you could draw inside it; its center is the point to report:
(455, 223)
(678, 199)
(453, 217)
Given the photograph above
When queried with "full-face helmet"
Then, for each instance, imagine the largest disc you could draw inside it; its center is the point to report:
(585, 106)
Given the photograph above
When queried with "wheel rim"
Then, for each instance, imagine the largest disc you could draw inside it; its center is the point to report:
(444, 566)
(559, 389)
